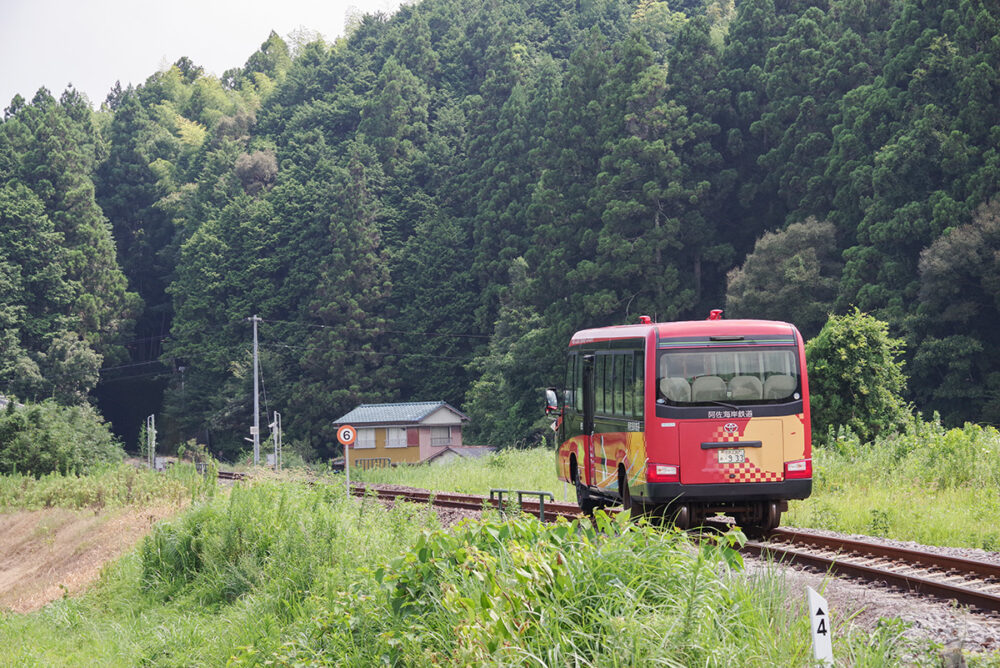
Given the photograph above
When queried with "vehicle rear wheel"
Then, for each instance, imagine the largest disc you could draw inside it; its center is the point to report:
(760, 519)
(682, 517)
(639, 510)
(623, 491)
(772, 517)
(583, 499)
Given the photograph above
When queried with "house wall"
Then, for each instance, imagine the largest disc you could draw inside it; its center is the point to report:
(397, 455)
(445, 458)
(429, 450)
(419, 444)
(441, 416)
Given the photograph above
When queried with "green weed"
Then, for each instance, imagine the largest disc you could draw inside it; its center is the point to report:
(927, 483)
(282, 573)
(532, 469)
(108, 487)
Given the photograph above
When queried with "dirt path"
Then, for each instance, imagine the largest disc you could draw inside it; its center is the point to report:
(46, 554)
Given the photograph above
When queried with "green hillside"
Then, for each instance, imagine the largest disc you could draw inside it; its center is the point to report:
(427, 208)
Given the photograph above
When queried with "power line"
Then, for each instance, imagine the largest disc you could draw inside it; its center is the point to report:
(273, 345)
(119, 379)
(144, 339)
(163, 360)
(129, 366)
(387, 331)
(375, 353)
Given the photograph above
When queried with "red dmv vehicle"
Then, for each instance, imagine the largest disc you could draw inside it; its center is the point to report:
(686, 419)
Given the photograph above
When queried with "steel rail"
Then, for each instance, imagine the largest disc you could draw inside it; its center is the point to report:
(850, 557)
(468, 501)
(944, 562)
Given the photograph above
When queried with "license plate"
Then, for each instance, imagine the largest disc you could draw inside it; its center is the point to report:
(734, 456)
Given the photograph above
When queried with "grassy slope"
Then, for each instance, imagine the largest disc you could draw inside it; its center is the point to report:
(289, 574)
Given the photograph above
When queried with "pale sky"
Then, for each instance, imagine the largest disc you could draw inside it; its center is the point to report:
(93, 43)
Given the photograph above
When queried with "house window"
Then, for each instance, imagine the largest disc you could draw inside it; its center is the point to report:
(365, 439)
(395, 437)
(440, 435)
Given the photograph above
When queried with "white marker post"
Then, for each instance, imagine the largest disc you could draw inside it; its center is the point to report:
(346, 435)
(819, 621)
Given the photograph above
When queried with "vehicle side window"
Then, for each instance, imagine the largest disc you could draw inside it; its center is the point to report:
(599, 383)
(627, 380)
(570, 383)
(614, 391)
(579, 386)
(638, 386)
(618, 383)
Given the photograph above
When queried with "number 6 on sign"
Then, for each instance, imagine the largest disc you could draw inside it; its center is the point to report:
(346, 435)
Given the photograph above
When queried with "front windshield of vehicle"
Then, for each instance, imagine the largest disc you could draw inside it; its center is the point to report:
(728, 375)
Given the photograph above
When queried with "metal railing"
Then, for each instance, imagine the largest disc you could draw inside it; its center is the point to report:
(372, 463)
(497, 494)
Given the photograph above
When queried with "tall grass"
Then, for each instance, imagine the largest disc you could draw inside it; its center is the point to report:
(533, 469)
(232, 572)
(928, 484)
(107, 487)
(279, 573)
(522, 593)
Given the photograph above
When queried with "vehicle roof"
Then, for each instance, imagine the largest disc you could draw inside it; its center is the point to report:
(684, 328)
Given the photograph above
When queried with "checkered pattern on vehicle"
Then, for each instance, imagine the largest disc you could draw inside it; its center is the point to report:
(720, 435)
(745, 472)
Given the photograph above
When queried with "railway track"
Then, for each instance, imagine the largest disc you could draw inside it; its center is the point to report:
(970, 582)
(550, 510)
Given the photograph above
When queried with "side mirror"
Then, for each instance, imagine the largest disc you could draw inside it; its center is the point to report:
(551, 401)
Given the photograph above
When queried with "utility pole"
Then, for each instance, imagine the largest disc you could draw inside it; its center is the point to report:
(151, 442)
(255, 431)
(276, 432)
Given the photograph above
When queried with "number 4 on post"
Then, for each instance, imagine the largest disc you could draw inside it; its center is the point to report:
(819, 621)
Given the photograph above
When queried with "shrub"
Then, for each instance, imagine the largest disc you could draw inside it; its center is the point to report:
(855, 378)
(279, 535)
(46, 437)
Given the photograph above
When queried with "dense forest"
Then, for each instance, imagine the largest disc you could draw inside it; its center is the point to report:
(428, 207)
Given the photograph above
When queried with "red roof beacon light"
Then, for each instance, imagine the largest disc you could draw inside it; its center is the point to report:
(716, 314)
(645, 320)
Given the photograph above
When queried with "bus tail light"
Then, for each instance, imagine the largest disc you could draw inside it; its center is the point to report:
(802, 468)
(663, 473)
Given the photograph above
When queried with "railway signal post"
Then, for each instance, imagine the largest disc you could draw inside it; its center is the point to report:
(819, 619)
(346, 435)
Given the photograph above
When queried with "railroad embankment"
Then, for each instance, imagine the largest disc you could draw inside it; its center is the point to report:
(55, 552)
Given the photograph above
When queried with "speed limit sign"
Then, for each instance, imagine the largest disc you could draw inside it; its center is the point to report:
(346, 435)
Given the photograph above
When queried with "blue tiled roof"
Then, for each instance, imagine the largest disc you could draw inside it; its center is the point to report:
(410, 412)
